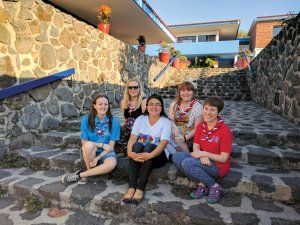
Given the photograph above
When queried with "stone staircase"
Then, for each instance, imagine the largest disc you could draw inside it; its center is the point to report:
(262, 187)
(229, 84)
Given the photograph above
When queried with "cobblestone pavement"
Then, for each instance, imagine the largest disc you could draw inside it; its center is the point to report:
(265, 171)
(163, 203)
(13, 213)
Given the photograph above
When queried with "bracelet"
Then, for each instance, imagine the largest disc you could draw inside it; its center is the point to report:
(184, 138)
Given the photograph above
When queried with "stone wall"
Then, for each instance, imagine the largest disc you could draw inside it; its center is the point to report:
(37, 40)
(276, 82)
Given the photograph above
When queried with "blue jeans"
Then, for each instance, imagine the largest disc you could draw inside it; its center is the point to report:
(194, 169)
(140, 172)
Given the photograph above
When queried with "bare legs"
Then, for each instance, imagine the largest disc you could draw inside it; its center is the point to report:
(89, 154)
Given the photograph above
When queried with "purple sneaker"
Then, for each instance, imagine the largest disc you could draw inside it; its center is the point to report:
(199, 192)
(214, 194)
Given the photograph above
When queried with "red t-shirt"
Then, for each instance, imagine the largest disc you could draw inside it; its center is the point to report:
(222, 142)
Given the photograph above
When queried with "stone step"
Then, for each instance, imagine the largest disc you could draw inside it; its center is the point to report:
(66, 159)
(162, 204)
(273, 157)
(267, 182)
(249, 122)
(14, 212)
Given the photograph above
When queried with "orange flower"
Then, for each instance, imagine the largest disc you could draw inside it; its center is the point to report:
(104, 14)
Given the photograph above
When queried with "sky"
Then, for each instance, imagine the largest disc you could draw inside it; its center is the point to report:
(189, 11)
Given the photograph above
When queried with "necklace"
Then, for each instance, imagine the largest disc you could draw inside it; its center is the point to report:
(101, 132)
(131, 108)
(208, 133)
(181, 114)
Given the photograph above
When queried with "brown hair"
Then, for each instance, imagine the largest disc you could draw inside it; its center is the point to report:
(185, 85)
(93, 113)
(215, 102)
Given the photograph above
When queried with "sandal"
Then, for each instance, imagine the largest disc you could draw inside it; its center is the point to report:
(199, 192)
(214, 195)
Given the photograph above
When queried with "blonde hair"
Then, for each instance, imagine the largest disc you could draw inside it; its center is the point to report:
(126, 97)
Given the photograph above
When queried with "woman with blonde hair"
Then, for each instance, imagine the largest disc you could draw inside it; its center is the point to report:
(132, 106)
(185, 113)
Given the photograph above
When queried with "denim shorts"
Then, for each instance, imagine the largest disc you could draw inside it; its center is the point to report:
(107, 155)
(98, 152)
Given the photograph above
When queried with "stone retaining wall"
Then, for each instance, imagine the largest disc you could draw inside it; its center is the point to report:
(37, 40)
(276, 83)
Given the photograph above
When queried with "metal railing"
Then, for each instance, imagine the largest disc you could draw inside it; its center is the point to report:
(165, 68)
(248, 63)
(17, 89)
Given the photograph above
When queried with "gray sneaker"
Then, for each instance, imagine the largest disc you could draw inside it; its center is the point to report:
(82, 180)
(70, 177)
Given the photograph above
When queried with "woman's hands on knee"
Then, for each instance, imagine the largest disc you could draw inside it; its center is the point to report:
(138, 157)
(94, 162)
(179, 139)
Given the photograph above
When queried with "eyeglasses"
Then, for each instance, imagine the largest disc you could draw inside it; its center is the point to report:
(152, 105)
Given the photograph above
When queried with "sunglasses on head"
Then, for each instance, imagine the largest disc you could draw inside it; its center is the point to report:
(133, 87)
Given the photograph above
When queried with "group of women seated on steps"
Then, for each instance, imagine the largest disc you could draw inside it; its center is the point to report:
(193, 136)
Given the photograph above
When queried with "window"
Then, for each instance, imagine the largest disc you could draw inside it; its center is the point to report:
(186, 39)
(205, 38)
(276, 30)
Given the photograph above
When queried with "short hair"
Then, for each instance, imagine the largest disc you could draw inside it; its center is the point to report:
(215, 102)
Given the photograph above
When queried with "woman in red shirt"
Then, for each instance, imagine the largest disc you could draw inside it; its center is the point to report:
(210, 158)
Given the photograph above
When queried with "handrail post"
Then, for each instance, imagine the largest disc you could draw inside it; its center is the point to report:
(165, 68)
(248, 64)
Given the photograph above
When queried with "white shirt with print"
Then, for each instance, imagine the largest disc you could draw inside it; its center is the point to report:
(148, 133)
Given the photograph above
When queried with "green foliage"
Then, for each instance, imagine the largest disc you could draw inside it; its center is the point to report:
(3, 192)
(12, 160)
(183, 59)
(290, 17)
(165, 47)
(207, 62)
(142, 40)
(241, 53)
(33, 204)
(242, 34)
(175, 52)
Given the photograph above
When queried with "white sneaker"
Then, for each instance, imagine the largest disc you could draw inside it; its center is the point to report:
(82, 180)
(70, 177)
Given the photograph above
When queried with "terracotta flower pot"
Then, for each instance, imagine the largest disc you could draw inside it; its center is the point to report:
(142, 48)
(175, 63)
(182, 65)
(104, 27)
(243, 62)
(164, 57)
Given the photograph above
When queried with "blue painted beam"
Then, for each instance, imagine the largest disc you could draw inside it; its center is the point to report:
(17, 89)
(165, 68)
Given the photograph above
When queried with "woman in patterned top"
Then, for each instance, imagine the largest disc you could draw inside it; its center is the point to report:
(132, 106)
(185, 113)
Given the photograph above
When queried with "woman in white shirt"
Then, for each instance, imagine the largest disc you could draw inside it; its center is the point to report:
(150, 135)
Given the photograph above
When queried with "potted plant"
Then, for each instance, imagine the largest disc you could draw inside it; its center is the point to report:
(104, 18)
(164, 51)
(243, 57)
(174, 53)
(182, 62)
(142, 42)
